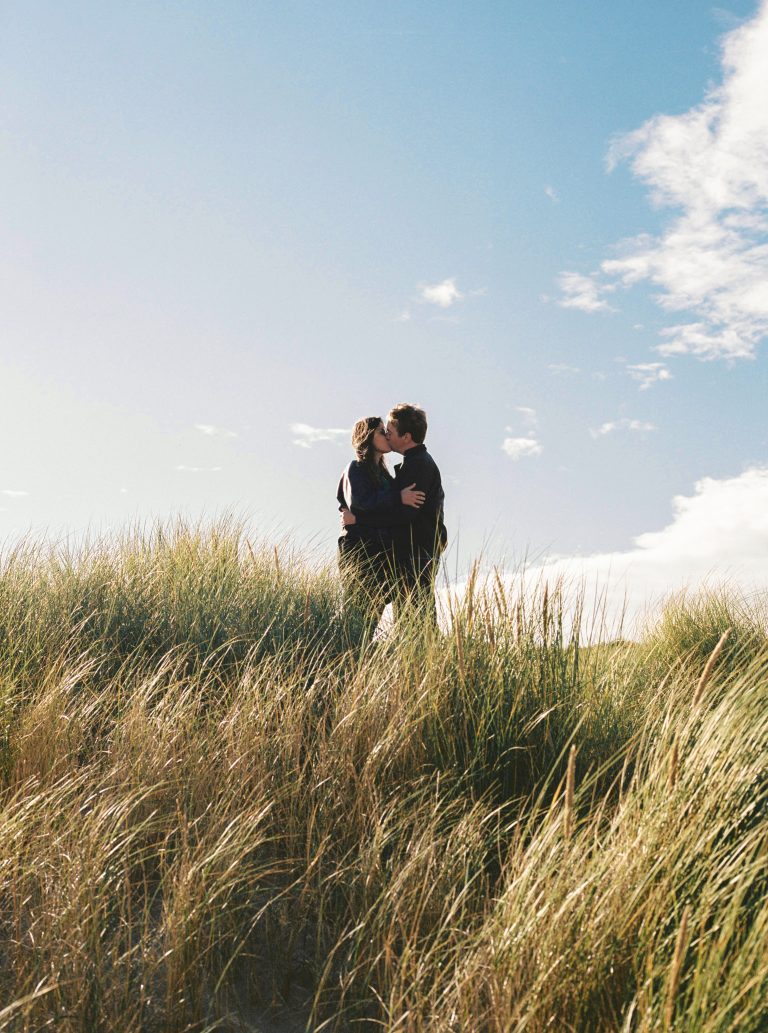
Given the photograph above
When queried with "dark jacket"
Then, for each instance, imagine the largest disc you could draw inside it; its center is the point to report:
(419, 534)
(360, 493)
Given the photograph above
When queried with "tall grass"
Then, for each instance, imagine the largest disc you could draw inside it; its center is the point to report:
(220, 803)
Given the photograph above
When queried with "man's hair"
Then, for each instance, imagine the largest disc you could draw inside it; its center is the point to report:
(410, 419)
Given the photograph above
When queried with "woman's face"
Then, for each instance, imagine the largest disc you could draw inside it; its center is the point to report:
(380, 442)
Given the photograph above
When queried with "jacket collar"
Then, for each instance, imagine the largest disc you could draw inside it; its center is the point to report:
(415, 451)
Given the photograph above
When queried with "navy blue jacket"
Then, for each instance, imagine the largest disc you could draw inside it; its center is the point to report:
(362, 495)
(419, 534)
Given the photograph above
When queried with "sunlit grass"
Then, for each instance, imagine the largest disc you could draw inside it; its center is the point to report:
(218, 801)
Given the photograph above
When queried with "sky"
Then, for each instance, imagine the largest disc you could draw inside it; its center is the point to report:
(229, 230)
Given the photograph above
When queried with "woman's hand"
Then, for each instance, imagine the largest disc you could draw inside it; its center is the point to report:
(410, 497)
(347, 518)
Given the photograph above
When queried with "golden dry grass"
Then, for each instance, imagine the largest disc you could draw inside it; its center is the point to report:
(213, 799)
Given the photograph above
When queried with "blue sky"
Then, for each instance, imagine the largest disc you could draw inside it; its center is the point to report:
(545, 223)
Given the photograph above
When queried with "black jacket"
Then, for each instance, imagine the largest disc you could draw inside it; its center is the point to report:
(418, 534)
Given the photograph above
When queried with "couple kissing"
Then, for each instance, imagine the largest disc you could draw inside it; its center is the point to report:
(392, 525)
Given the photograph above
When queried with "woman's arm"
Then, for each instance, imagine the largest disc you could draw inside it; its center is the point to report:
(375, 504)
(382, 516)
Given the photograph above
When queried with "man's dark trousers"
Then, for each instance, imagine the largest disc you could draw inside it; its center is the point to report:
(415, 585)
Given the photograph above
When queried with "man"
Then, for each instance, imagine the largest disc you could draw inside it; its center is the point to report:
(419, 533)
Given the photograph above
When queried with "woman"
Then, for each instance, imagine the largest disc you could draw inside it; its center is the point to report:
(366, 560)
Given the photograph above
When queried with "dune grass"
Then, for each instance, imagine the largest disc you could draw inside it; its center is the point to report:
(217, 801)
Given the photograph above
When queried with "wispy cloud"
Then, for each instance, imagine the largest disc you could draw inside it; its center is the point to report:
(442, 294)
(552, 194)
(635, 426)
(520, 448)
(583, 292)
(183, 468)
(710, 165)
(215, 432)
(648, 373)
(306, 436)
(13, 494)
(560, 368)
(527, 414)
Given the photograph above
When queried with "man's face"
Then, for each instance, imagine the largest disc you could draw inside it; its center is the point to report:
(397, 442)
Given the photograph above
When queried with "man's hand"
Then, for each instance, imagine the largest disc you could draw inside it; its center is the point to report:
(347, 518)
(409, 497)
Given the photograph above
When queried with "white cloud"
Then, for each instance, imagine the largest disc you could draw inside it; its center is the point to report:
(307, 436)
(518, 448)
(562, 367)
(183, 468)
(552, 194)
(442, 294)
(215, 432)
(711, 165)
(648, 373)
(636, 426)
(11, 494)
(528, 415)
(583, 293)
(719, 534)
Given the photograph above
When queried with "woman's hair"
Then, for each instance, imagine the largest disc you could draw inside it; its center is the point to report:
(362, 442)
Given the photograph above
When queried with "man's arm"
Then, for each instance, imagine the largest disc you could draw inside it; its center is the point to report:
(396, 514)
